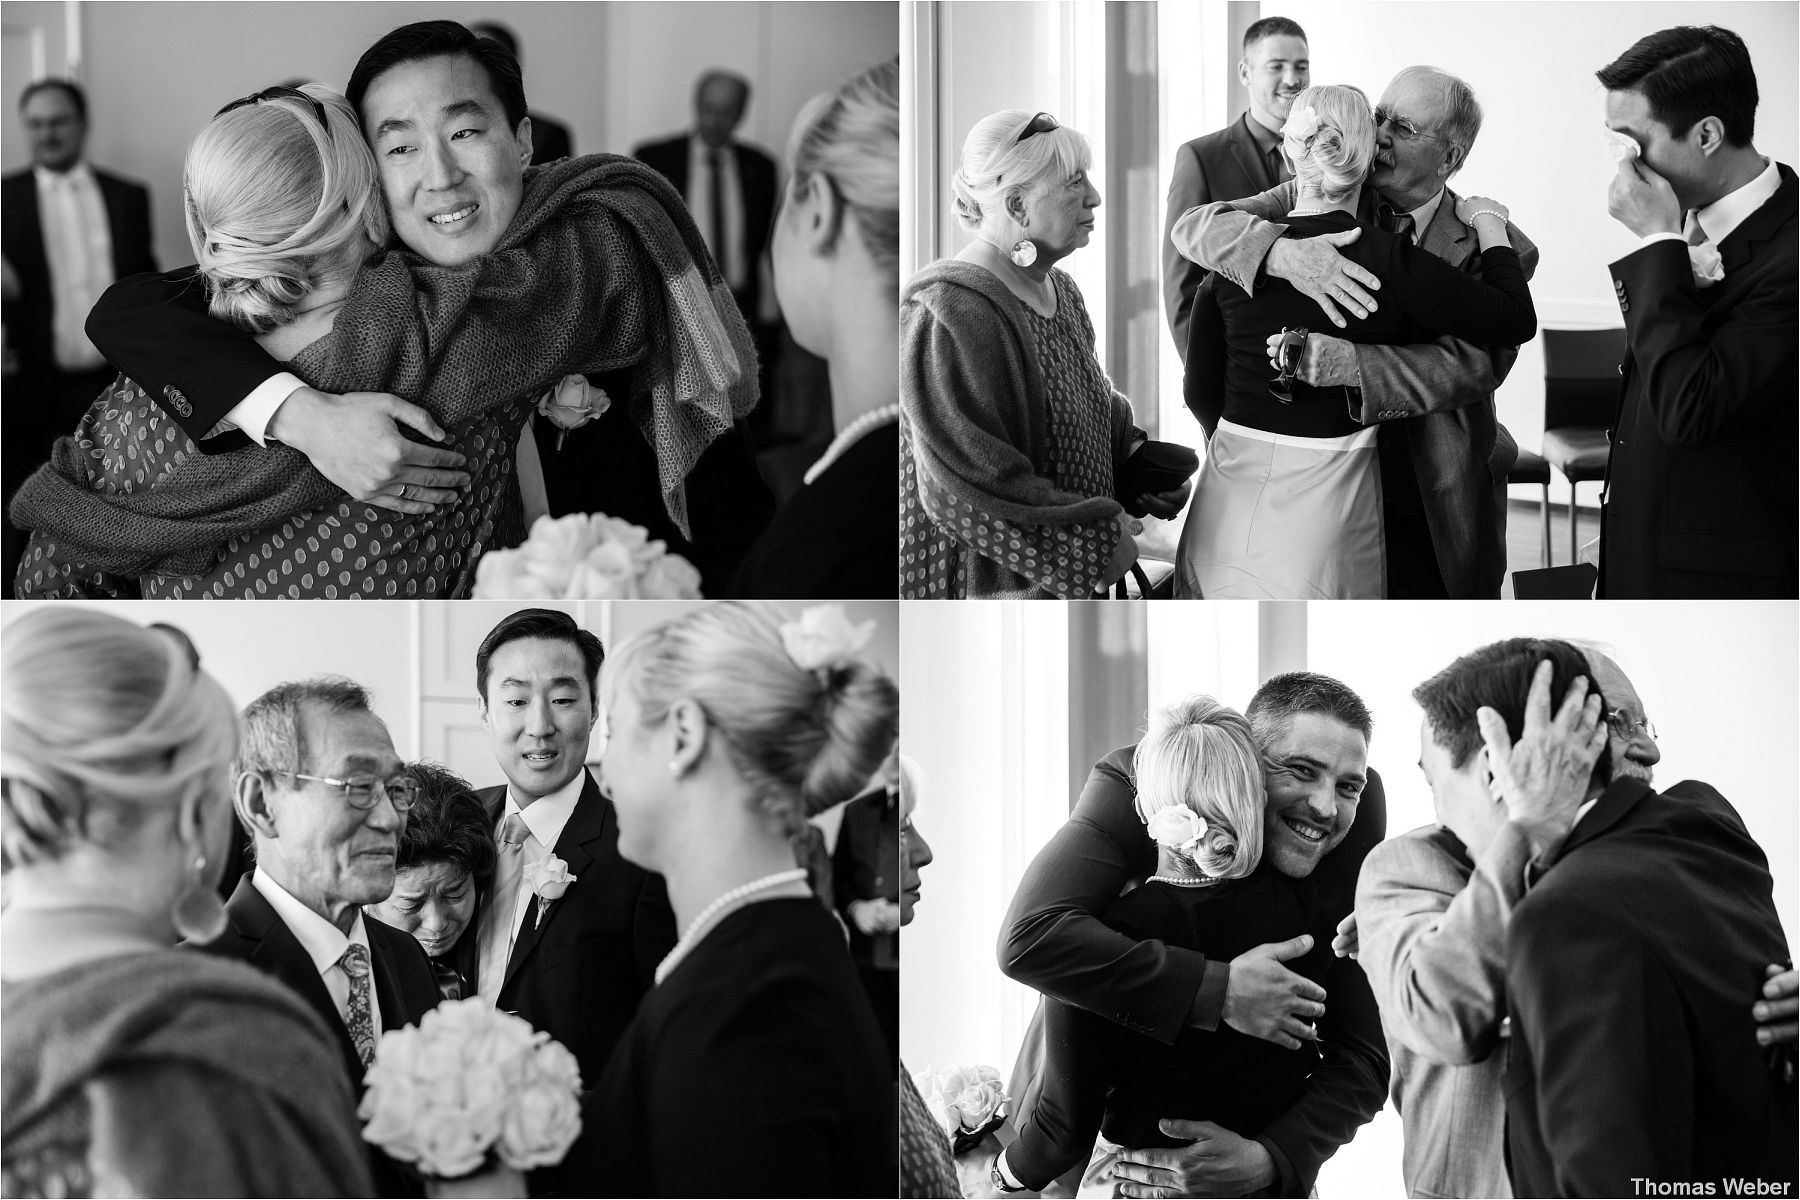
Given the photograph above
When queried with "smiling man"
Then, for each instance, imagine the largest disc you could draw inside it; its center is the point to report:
(324, 797)
(1324, 810)
(577, 969)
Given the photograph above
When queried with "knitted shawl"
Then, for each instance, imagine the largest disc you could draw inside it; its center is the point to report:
(602, 268)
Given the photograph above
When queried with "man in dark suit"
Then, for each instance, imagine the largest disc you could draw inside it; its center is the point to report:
(1701, 480)
(203, 372)
(550, 139)
(574, 964)
(68, 230)
(1242, 159)
(323, 795)
(1647, 920)
(1325, 810)
(1444, 454)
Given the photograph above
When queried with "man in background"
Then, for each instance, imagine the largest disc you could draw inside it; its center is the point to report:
(68, 231)
(1242, 159)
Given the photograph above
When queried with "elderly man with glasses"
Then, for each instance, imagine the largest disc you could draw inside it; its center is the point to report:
(1444, 456)
(325, 797)
(1434, 912)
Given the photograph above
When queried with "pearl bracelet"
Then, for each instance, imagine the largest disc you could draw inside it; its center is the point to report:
(1486, 212)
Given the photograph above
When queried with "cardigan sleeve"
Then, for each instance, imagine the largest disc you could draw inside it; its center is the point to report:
(964, 394)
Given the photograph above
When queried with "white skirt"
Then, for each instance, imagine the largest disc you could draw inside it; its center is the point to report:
(1276, 517)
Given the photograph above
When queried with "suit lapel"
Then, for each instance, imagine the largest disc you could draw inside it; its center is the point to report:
(1763, 225)
(1620, 797)
(390, 994)
(1446, 237)
(585, 825)
(1249, 156)
(276, 951)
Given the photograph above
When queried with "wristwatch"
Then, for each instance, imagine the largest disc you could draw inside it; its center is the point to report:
(999, 1179)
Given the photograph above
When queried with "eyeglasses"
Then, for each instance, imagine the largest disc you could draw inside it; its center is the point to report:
(1406, 130)
(1627, 726)
(402, 791)
(279, 93)
(1287, 363)
(1042, 123)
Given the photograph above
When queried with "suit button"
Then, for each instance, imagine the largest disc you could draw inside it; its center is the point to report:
(177, 401)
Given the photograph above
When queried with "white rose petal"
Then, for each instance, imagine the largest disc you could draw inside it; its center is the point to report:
(824, 637)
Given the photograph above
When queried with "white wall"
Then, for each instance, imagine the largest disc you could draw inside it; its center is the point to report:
(1532, 65)
(617, 73)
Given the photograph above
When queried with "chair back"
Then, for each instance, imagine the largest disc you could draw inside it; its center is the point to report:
(1581, 376)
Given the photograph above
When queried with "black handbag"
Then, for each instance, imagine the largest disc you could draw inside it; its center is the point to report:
(1155, 467)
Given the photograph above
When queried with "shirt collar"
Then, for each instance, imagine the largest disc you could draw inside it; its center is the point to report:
(545, 817)
(1721, 218)
(1266, 139)
(323, 942)
(1424, 214)
(79, 173)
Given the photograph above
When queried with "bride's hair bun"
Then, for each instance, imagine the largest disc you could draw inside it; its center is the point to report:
(102, 723)
(1335, 152)
(1199, 754)
(804, 739)
(278, 203)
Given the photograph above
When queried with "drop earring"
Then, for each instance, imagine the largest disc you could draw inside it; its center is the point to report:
(1023, 252)
(198, 914)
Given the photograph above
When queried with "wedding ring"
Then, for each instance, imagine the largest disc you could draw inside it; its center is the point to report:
(403, 491)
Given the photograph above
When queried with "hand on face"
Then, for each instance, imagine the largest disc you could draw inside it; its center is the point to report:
(1643, 201)
(1544, 776)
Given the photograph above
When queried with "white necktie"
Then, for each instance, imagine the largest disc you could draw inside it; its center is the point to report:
(497, 924)
(1703, 256)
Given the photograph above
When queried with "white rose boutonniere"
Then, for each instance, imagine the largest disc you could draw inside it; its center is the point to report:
(823, 638)
(572, 403)
(1178, 827)
(549, 878)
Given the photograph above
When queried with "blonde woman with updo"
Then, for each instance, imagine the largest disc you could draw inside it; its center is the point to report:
(1200, 795)
(1013, 440)
(754, 1066)
(131, 1067)
(1289, 502)
(836, 256)
(599, 271)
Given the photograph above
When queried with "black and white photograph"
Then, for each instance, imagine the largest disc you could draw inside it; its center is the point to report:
(1349, 899)
(440, 899)
(1351, 301)
(410, 323)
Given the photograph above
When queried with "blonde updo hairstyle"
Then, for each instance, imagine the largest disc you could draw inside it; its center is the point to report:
(104, 726)
(1200, 754)
(1334, 158)
(996, 165)
(278, 204)
(803, 739)
(851, 136)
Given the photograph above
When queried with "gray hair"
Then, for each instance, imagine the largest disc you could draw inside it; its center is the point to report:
(1460, 120)
(996, 165)
(271, 731)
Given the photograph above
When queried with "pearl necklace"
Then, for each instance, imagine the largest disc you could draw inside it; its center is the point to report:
(852, 433)
(1307, 212)
(1179, 882)
(712, 914)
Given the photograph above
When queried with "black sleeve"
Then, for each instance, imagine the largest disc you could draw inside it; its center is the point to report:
(156, 329)
(1061, 1130)
(652, 928)
(1492, 308)
(1203, 383)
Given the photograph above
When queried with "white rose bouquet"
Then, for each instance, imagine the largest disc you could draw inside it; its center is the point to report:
(586, 557)
(969, 1102)
(469, 1082)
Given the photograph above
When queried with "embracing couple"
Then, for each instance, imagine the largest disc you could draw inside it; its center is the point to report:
(282, 355)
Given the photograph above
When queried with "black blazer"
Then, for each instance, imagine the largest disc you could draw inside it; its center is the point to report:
(405, 990)
(756, 176)
(1701, 481)
(550, 139)
(580, 974)
(1633, 1051)
(1224, 165)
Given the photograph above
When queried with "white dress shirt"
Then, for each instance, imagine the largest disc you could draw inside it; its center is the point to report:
(1423, 216)
(1720, 219)
(78, 246)
(324, 943)
(544, 819)
(730, 257)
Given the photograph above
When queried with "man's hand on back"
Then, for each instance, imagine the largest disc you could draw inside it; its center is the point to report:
(1316, 269)
(1266, 1000)
(354, 440)
(1216, 1162)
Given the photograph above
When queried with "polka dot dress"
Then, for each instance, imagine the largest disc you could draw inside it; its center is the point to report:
(966, 552)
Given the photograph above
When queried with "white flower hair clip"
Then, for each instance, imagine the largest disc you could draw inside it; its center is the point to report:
(1302, 123)
(824, 638)
(1177, 827)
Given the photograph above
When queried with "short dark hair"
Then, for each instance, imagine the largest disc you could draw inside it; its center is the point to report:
(424, 40)
(540, 623)
(719, 74)
(76, 95)
(1295, 692)
(1690, 72)
(1498, 676)
(499, 32)
(1272, 27)
(447, 824)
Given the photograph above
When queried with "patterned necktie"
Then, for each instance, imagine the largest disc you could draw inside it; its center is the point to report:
(450, 983)
(496, 930)
(357, 1018)
(1394, 222)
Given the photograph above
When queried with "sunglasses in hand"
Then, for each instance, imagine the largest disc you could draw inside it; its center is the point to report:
(1287, 363)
